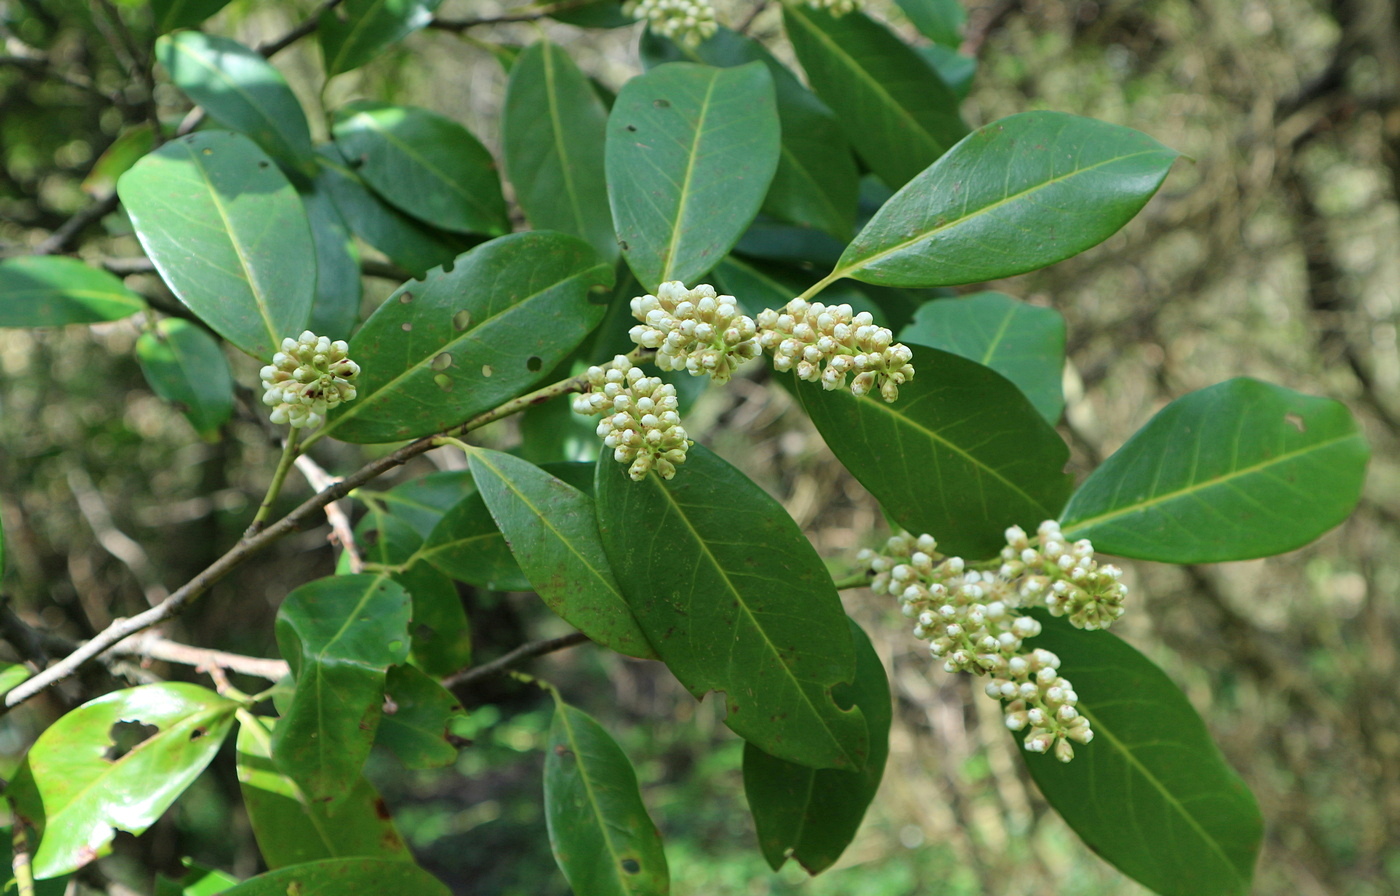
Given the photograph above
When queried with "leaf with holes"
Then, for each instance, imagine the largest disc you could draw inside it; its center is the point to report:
(1022, 342)
(417, 714)
(599, 829)
(115, 764)
(1018, 194)
(961, 455)
(441, 350)
(896, 111)
(228, 234)
(1151, 793)
(691, 151)
(734, 598)
(337, 877)
(289, 827)
(184, 365)
(356, 31)
(1238, 470)
(241, 90)
(553, 130)
(813, 814)
(52, 291)
(552, 530)
(340, 635)
(424, 164)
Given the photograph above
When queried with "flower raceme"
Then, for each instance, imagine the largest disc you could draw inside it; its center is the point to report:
(686, 22)
(971, 619)
(804, 336)
(308, 377)
(694, 330)
(640, 420)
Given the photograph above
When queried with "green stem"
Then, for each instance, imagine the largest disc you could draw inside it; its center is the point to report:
(821, 284)
(21, 862)
(289, 456)
(855, 580)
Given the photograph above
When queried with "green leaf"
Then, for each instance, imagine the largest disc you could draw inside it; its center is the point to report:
(961, 455)
(691, 151)
(952, 67)
(1022, 342)
(554, 127)
(941, 21)
(552, 530)
(357, 31)
(290, 828)
(185, 366)
(421, 502)
(423, 164)
(813, 814)
(54, 886)
(11, 674)
(1018, 194)
(442, 350)
(600, 832)
(101, 768)
(816, 182)
(338, 877)
(895, 110)
(417, 714)
(51, 291)
(467, 545)
(197, 881)
(1237, 470)
(735, 599)
(133, 143)
(413, 246)
(336, 308)
(340, 635)
(228, 233)
(239, 89)
(172, 14)
(1151, 794)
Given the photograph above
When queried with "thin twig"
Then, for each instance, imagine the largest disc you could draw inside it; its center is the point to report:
(307, 25)
(152, 645)
(457, 26)
(20, 861)
(24, 638)
(274, 488)
(320, 480)
(524, 652)
(61, 238)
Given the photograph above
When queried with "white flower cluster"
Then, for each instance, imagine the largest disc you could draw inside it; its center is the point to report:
(970, 619)
(640, 421)
(805, 335)
(686, 22)
(837, 8)
(694, 330)
(308, 377)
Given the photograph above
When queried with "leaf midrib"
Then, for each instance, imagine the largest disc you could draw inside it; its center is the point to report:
(686, 194)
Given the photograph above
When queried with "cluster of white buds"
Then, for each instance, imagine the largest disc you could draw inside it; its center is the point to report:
(805, 335)
(694, 330)
(972, 620)
(308, 377)
(837, 8)
(640, 419)
(686, 22)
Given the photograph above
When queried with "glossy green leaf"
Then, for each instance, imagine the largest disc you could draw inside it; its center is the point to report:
(442, 350)
(816, 182)
(593, 14)
(197, 881)
(1018, 194)
(691, 151)
(1022, 342)
(340, 877)
(735, 599)
(115, 763)
(895, 110)
(941, 21)
(357, 31)
(51, 291)
(467, 545)
(424, 164)
(228, 234)
(417, 713)
(290, 828)
(553, 130)
(813, 814)
(125, 151)
(1237, 470)
(599, 829)
(411, 245)
(336, 308)
(241, 90)
(54, 886)
(1151, 793)
(184, 365)
(11, 674)
(552, 530)
(421, 502)
(961, 455)
(340, 635)
(172, 14)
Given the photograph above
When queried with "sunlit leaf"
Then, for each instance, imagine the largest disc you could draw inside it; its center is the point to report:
(1238, 470)
(11, 674)
(51, 291)
(228, 234)
(691, 151)
(197, 881)
(599, 829)
(184, 365)
(356, 31)
(734, 598)
(133, 143)
(339, 877)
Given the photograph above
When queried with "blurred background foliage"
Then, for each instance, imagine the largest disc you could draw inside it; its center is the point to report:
(1274, 251)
